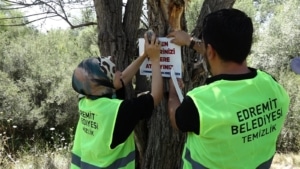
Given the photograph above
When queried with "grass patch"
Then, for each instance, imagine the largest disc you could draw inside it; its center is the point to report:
(56, 160)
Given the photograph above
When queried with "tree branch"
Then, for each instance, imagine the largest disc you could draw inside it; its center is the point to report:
(54, 7)
(83, 25)
(28, 22)
(26, 16)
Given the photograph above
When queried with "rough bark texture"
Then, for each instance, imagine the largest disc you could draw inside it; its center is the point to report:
(117, 31)
(164, 146)
(197, 68)
(208, 7)
(159, 145)
(117, 36)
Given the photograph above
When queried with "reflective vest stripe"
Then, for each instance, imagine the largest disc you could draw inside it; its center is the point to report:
(266, 164)
(195, 164)
(121, 162)
(76, 160)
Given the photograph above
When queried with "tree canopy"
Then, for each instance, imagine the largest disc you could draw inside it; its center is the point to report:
(36, 67)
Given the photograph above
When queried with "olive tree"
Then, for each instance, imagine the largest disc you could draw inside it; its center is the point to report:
(159, 145)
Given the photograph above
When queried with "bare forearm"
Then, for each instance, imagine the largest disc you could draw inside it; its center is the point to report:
(173, 104)
(131, 70)
(157, 82)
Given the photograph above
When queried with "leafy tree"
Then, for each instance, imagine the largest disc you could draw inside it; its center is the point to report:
(279, 41)
(47, 89)
(37, 68)
(247, 6)
(192, 13)
(49, 9)
(266, 9)
(117, 36)
(87, 40)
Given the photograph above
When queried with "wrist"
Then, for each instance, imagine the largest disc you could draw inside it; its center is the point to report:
(144, 55)
(155, 60)
(193, 41)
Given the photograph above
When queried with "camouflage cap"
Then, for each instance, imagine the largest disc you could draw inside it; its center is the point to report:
(94, 76)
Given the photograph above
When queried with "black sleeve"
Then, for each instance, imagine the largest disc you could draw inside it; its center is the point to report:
(129, 114)
(121, 93)
(187, 117)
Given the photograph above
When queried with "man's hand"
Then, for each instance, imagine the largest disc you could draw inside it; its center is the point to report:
(181, 38)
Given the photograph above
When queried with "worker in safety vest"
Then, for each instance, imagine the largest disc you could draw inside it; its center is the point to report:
(104, 135)
(234, 119)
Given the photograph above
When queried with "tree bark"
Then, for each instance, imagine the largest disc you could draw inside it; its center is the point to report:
(165, 145)
(208, 7)
(117, 31)
(159, 145)
(195, 63)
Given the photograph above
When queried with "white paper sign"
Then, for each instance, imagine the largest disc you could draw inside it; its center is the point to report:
(170, 57)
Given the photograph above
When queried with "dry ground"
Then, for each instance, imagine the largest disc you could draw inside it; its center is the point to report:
(62, 161)
(286, 161)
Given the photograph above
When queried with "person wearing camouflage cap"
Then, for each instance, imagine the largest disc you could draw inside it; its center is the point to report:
(104, 135)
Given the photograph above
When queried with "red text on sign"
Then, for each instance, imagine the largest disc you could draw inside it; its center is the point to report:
(164, 59)
(167, 51)
(164, 43)
(168, 67)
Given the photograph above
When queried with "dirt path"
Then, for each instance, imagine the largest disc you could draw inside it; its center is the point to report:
(286, 161)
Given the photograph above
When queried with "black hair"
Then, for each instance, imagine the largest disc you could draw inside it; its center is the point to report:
(229, 32)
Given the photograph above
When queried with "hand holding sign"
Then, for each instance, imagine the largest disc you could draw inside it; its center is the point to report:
(149, 35)
(170, 57)
(152, 48)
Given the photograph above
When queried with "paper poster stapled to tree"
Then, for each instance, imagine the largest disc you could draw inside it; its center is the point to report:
(170, 57)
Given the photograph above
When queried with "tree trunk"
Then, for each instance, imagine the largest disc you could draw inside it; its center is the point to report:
(165, 145)
(159, 145)
(197, 70)
(117, 31)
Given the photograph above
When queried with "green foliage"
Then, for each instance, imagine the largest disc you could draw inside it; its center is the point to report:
(285, 29)
(87, 40)
(279, 38)
(8, 94)
(247, 6)
(35, 86)
(192, 13)
(266, 9)
(87, 15)
(278, 42)
(35, 71)
(18, 20)
(2, 22)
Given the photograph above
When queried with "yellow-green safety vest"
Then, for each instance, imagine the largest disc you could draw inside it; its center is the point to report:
(94, 135)
(240, 121)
